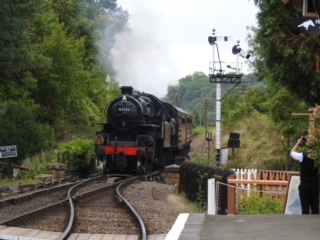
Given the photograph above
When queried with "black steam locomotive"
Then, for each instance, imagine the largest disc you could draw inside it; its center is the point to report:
(142, 133)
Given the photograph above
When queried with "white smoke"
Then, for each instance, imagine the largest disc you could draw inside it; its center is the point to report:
(141, 57)
(168, 39)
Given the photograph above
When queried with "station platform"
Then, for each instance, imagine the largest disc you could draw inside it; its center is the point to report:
(245, 227)
(14, 233)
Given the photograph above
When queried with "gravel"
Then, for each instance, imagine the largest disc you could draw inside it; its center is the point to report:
(157, 203)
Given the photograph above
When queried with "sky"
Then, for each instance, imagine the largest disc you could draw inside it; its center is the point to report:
(169, 40)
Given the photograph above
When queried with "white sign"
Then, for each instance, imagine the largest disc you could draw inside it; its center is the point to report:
(8, 151)
(293, 205)
(224, 155)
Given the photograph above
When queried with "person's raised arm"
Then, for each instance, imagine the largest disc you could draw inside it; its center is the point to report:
(294, 151)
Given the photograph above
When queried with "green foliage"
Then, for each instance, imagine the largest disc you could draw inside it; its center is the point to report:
(282, 105)
(254, 204)
(50, 61)
(285, 55)
(15, 54)
(200, 201)
(21, 128)
(239, 106)
(191, 207)
(37, 164)
(261, 144)
(199, 130)
(190, 94)
(203, 159)
(314, 140)
(84, 147)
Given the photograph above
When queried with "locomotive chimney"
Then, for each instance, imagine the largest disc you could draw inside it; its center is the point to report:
(126, 90)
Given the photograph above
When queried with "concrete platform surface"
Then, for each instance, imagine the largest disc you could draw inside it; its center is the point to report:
(14, 233)
(245, 227)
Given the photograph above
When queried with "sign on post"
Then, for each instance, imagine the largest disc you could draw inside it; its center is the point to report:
(8, 151)
(292, 204)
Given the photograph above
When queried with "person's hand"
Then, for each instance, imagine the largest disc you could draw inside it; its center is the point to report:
(301, 141)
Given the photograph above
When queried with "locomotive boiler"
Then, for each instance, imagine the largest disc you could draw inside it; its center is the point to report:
(142, 133)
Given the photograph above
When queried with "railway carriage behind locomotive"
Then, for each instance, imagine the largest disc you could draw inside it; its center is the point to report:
(142, 133)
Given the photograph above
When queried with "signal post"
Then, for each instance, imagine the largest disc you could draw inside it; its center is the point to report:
(218, 77)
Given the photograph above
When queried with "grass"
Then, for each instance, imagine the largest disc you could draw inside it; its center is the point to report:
(4, 183)
(261, 145)
(37, 165)
(188, 206)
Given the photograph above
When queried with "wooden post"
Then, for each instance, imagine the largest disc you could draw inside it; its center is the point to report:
(312, 113)
(231, 197)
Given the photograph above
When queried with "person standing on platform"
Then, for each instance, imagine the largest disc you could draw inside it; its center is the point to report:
(309, 177)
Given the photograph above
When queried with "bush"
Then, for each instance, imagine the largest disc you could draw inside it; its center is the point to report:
(79, 147)
(199, 131)
(21, 128)
(254, 204)
(38, 164)
(82, 153)
(204, 160)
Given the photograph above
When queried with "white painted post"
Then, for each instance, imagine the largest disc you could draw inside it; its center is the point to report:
(250, 172)
(212, 196)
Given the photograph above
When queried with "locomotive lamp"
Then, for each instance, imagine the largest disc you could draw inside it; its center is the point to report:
(124, 100)
(99, 139)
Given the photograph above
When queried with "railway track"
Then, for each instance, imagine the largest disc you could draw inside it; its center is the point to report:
(84, 207)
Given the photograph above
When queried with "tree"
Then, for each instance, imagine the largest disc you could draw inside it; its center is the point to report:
(15, 54)
(70, 83)
(284, 54)
(20, 127)
(51, 61)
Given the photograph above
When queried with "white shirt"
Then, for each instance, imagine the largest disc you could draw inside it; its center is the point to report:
(297, 156)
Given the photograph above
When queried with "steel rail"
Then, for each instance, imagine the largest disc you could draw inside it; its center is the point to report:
(15, 220)
(143, 231)
(71, 191)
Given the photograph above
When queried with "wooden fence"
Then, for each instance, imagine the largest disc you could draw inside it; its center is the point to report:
(262, 182)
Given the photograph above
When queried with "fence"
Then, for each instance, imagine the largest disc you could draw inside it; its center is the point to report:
(80, 165)
(194, 182)
(263, 182)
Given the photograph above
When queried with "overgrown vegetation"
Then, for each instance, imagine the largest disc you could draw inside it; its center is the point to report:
(262, 114)
(314, 141)
(255, 204)
(37, 166)
(54, 72)
(192, 207)
(285, 54)
(83, 147)
(80, 154)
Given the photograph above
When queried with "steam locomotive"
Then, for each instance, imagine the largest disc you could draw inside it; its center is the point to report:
(142, 134)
